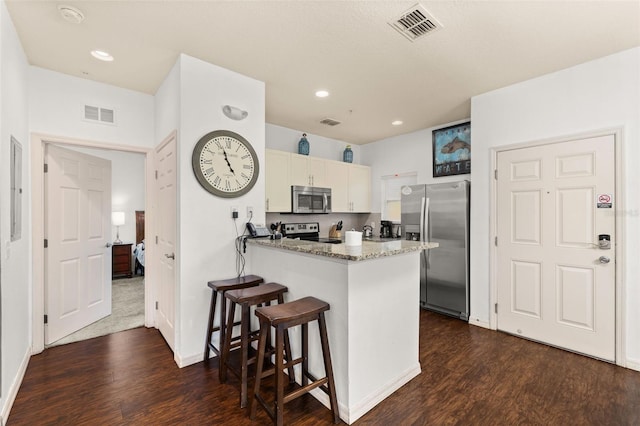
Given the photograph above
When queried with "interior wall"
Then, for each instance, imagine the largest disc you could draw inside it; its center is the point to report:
(597, 95)
(408, 153)
(15, 270)
(285, 139)
(57, 108)
(206, 231)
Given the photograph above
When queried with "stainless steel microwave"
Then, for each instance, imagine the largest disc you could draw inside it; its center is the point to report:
(310, 199)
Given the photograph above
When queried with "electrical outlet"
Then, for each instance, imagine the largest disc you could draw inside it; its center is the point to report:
(249, 211)
(234, 212)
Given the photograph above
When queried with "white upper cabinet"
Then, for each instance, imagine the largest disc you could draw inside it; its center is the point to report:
(307, 171)
(350, 183)
(338, 181)
(359, 188)
(277, 177)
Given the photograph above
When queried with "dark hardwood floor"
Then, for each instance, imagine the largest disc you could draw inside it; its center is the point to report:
(469, 376)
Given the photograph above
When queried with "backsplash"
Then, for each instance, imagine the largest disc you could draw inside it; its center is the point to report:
(349, 220)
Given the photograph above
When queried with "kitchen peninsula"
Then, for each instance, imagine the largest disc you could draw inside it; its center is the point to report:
(373, 324)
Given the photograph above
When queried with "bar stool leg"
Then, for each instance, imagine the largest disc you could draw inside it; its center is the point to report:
(279, 406)
(304, 334)
(287, 348)
(262, 343)
(212, 311)
(245, 354)
(324, 340)
(225, 344)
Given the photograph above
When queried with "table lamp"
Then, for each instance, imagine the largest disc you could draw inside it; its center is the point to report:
(117, 218)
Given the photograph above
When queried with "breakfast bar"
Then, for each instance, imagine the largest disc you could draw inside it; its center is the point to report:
(373, 323)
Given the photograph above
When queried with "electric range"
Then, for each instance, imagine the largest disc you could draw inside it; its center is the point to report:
(308, 231)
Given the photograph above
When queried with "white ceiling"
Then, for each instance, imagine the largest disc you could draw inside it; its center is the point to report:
(373, 73)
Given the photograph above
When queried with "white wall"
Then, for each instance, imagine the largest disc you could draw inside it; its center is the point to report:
(15, 259)
(408, 153)
(127, 187)
(57, 108)
(597, 95)
(206, 230)
(285, 139)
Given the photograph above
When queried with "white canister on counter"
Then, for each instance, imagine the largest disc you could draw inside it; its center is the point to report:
(353, 238)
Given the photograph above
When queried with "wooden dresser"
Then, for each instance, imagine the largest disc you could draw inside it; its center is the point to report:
(121, 261)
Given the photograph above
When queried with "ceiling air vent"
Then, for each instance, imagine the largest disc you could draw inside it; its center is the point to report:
(330, 122)
(415, 23)
(101, 115)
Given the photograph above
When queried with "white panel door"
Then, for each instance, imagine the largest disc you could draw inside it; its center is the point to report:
(78, 230)
(554, 284)
(166, 219)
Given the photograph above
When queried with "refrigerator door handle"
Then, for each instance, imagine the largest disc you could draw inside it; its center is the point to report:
(422, 214)
(427, 228)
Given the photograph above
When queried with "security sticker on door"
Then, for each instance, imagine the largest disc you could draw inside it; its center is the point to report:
(605, 201)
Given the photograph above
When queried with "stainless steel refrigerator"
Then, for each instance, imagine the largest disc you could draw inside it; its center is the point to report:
(440, 213)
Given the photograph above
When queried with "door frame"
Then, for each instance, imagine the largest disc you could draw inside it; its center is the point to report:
(620, 286)
(38, 142)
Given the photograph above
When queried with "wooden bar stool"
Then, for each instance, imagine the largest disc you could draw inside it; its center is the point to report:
(246, 298)
(221, 287)
(282, 317)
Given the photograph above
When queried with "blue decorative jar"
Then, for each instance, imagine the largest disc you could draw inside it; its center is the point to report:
(347, 156)
(303, 145)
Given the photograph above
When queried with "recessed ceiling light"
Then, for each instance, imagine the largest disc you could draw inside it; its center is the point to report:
(102, 55)
(396, 123)
(322, 93)
(71, 14)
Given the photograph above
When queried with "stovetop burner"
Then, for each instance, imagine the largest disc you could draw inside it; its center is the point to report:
(309, 231)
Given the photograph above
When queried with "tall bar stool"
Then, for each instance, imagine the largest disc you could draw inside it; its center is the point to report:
(282, 317)
(221, 287)
(261, 295)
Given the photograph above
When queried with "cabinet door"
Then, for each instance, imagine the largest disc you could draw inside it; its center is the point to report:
(300, 170)
(360, 188)
(316, 167)
(277, 185)
(337, 178)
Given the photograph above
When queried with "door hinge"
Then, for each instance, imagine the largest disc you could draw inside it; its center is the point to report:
(156, 239)
(46, 319)
(495, 241)
(156, 175)
(495, 308)
(495, 174)
(46, 243)
(156, 305)
(46, 168)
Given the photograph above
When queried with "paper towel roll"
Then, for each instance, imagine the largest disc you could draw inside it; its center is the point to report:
(353, 238)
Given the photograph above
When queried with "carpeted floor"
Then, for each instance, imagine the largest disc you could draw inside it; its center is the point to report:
(127, 311)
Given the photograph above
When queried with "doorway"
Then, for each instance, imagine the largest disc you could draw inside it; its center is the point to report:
(556, 281)
(39, 142)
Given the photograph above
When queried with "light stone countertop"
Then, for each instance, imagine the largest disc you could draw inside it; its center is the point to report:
(368, 249)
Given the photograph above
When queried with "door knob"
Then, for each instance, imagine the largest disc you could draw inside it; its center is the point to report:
(173, 256)
(108, 245)
(604, 259)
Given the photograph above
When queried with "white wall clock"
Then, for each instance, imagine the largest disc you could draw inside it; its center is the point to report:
(225, 164)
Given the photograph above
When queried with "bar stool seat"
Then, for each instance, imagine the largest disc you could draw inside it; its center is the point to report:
(246, 298)
(282, 317)
(221, 287)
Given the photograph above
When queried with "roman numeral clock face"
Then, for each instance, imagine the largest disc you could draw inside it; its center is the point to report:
(225, 164)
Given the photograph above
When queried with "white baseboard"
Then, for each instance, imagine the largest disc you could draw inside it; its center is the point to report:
(191, 359)
(478, 322)
(363, 407)
(15, 386)
(633, 364)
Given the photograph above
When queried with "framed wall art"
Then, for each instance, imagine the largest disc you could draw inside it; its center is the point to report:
(452, 150)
